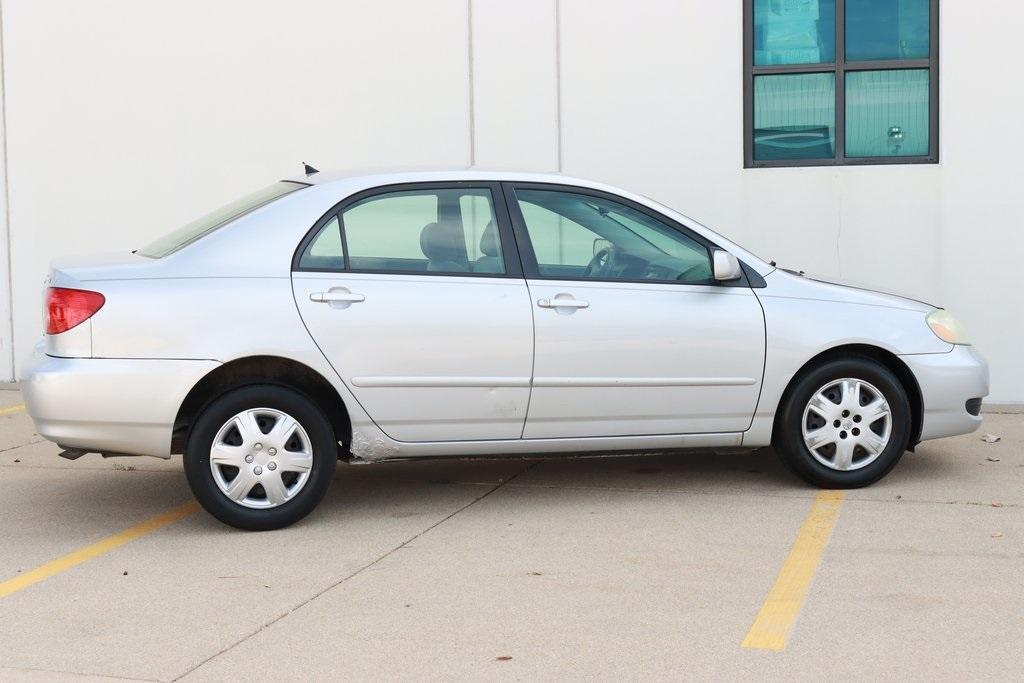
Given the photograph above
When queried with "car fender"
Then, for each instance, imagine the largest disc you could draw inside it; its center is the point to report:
(804, 319)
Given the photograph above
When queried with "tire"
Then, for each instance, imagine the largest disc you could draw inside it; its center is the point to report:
(846, 455)
(285, 468)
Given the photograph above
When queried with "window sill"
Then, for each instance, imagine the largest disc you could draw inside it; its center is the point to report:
(859, 161)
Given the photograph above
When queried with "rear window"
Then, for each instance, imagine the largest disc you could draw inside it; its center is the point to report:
(201, 227)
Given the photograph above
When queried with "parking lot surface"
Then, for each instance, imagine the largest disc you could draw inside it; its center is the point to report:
(698, 566)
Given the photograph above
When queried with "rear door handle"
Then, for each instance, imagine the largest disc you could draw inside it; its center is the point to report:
(562, 303)
(336, 297)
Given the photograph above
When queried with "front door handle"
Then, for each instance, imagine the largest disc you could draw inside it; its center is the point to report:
(336, 297)
(562, 303)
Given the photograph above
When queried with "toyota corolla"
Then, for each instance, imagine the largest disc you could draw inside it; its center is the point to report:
(470, 313)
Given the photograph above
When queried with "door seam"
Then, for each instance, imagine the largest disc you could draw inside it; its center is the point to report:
(533, 356)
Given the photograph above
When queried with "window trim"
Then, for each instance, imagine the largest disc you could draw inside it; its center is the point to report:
(529, 257)
(510, 255)
(840, 68)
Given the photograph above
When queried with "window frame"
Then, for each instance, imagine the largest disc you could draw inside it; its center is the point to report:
(529, 258)
(840, 68)
(509, 252)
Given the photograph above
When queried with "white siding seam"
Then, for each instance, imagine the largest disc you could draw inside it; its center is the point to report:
(558, 78)
(837, 179)
(471, 89)
(9, 322)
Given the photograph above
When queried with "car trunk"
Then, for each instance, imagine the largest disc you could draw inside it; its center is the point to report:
(88, 273)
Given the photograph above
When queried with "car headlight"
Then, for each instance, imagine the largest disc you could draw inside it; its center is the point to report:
(946, 327)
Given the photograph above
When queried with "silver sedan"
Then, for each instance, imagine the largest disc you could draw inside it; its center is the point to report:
(413, 315)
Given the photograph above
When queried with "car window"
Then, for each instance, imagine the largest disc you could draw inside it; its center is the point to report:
(383, 232)
(326, 251)
(577, 236)
(172, 242)
(443, 231)
(557, 240)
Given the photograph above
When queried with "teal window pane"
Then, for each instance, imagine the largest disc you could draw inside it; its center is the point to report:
(794, 31)
(887, 113)
(794, 116)
(886, 29)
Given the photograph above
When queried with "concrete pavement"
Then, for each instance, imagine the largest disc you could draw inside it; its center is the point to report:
(645, 567)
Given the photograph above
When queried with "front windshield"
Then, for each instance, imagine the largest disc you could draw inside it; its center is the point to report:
(201, 227)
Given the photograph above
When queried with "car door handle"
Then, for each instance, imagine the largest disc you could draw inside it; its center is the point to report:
(562, 303)
(336, 297)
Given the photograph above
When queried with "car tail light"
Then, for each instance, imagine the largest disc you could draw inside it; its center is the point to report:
(66, 308)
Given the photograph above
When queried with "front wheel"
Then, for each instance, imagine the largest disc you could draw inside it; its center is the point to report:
(844, 424)
(260, 457)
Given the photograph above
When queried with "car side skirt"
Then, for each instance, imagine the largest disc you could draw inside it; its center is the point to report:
(369, 445)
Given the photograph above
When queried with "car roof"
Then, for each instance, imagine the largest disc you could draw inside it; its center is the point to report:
(390, 175)
(355, 180)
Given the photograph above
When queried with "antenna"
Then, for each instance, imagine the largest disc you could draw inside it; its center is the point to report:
(309, 169)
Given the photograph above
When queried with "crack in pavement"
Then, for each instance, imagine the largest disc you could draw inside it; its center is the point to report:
(23, 445)
(357, 572)
(27, 669)
(754, 494)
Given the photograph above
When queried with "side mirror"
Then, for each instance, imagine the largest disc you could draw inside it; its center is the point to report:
(727, 267)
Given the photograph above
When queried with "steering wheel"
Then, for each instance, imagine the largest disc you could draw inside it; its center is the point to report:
(601, 261)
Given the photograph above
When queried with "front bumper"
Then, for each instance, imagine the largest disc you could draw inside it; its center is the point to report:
(103, 405)
(947, 382)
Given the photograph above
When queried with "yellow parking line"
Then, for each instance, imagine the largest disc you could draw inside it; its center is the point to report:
(76, 558)
(12, 409)
(773, 623)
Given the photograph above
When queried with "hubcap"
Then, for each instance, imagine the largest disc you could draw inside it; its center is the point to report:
(261, 458)
(846, 424)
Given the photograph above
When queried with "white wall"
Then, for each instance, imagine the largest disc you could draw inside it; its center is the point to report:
(125, 118)
(515, 84)
(7, 353)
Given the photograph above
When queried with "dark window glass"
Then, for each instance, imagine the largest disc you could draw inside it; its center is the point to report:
(886, 29)
(794, 31)
(887, 113)
(794, 116)
(876, 102)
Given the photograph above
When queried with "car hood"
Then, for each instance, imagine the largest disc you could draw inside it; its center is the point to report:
(783, 282)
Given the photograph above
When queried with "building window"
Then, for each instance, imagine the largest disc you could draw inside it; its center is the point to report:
(830, 82)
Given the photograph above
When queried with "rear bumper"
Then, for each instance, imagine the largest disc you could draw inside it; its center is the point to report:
(948, 381)
(108, 405)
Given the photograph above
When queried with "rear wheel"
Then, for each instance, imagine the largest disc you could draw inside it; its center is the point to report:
(260, 457)
(844, 424)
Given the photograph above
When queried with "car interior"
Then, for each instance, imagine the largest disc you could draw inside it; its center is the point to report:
(574, 236)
